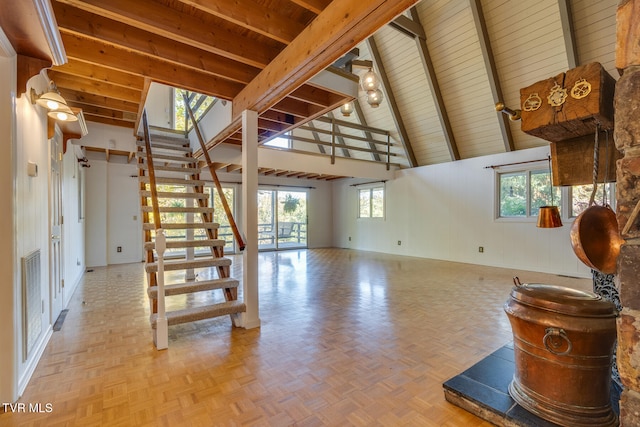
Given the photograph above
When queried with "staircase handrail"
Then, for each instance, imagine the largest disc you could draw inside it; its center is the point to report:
(214, 176)
(152, 173)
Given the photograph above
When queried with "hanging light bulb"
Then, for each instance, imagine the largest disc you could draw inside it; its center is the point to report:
(374, 97)
(346, 109)
(369, 81)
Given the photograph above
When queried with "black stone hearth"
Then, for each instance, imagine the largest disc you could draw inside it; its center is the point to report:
(483, 391)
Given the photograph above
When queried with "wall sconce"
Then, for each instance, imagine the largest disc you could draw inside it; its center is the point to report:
(55, 104)
(513, 114)
(346, 109)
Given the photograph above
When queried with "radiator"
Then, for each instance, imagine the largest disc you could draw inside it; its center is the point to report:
(32, 305)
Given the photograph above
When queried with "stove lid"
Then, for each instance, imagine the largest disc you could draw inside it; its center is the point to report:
(564, 300)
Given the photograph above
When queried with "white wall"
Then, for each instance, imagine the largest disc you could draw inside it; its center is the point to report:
(112, 212)
(447, 211)
(111, 199)
(96, 214)
(9, 315)
(73, 227)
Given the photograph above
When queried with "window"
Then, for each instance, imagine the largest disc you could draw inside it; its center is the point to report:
(200, 105)
(371, 202)
(581, 194)
(279, 142)
(522, 193)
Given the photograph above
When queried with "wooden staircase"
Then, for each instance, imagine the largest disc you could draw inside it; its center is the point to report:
(178, 188)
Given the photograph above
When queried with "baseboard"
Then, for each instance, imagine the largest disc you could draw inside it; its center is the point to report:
(31, 364)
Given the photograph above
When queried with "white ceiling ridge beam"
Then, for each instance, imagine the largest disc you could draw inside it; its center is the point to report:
(438, 100)
(568, 31)
(492, 71)
(395, 112)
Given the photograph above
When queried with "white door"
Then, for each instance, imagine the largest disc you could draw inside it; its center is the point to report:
(55, 214)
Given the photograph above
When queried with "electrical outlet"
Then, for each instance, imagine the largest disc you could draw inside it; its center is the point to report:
(119, 249)
(481, 249)
(399, 242)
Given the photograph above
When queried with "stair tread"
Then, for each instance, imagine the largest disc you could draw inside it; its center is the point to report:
(164, 146)
(162, 156)
(195, 243)
(194, 286)
(183, 264)
(178, 209)
(165, 138)
(182, 225)
(175, 195)
(174, 180)
(170, 168)
(200, 313)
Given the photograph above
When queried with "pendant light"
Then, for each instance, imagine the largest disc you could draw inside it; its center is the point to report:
(549, 216)
(346, 109)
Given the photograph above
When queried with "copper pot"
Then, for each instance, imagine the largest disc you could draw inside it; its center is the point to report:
(595, 238)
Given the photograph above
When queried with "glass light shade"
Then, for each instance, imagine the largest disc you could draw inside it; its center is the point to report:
(346, 109)
(549, 217)
(64, 114)
(51, 101)
(369, 81)
(374, 97)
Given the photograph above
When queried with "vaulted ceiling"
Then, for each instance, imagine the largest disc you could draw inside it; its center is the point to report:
(444, 65)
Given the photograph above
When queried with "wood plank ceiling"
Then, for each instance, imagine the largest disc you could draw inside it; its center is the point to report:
(116, 47)
(444, 64)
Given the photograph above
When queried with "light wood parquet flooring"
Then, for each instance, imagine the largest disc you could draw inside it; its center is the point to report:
(348, 338)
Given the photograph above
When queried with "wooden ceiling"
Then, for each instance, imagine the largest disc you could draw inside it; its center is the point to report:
(116, 48)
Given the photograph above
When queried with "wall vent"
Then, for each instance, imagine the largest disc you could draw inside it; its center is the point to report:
(32, 306)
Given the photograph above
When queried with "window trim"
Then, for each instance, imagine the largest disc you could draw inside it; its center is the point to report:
(370, 188)
(527, 218)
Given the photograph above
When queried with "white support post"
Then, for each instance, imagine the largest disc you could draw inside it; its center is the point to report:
(190, 272)
(161, 336)
(251, 318)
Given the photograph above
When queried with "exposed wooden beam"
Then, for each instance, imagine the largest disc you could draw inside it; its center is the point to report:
(110, 56)
(430, 73)
(294, 107)
(340, 26)
(79, 22)
(393, 105)
(80, 84)
(151, 16)
(92, 71)
(317, 138)
(107, 121)
(314, 95)
(335, 131)
(279, 117)
(250, 15)
(103, 112)
(315, 6)
(566, 19)
(98, 100)
(363, 121)
(408, 26)
(492, 71)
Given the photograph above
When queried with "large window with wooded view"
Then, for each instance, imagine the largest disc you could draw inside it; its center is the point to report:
(521, 194)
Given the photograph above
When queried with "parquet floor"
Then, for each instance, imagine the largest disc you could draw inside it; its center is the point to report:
(348, 338)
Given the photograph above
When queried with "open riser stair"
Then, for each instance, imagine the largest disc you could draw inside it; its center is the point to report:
(187, 219)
